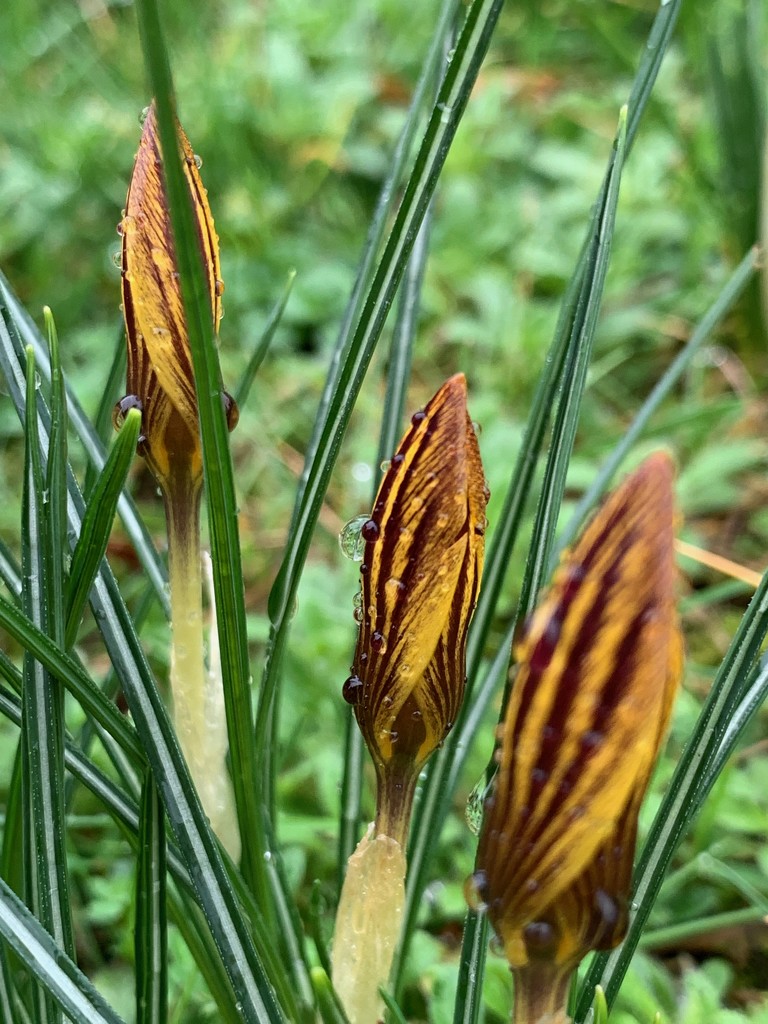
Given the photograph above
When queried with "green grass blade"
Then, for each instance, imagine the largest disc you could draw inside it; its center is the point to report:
(375, 236)
(55, 507)
(10, 570)
(217, 464)
(11, 869)
(18, 330)
(685, 793)
(111, 393)
(245, 383)
(74, 678)
(574, 378)
(394, 1014)
(474, 949)
(97, 523)
(460, 76)
(196, 842)
(151, 934)
(331, 1010)
(50, 965)
(714, 315)
(398, 375)
(43, 708)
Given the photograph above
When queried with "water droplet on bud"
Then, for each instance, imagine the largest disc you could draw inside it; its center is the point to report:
(351, 542)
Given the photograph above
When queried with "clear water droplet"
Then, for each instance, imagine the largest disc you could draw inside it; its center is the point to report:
(198, 161)
(385, 465)
(351, 541)
(117, 258)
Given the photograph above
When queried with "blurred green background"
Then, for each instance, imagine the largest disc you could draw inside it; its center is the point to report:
(294, 110)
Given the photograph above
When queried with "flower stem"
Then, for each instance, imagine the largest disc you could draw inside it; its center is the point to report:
(541, 993)
(197, 694)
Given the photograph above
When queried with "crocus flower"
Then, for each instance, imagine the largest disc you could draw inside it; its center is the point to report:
(160, 382)
(598, 668)
(419, 578)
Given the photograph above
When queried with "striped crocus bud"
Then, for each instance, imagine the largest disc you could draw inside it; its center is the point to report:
(160, 378)
(420, 577)
(598, 668)
(160, 381)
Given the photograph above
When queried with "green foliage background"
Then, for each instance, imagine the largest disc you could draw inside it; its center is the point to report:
(294, 109)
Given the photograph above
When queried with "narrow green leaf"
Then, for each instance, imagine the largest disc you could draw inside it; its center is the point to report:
(474, 949)
(55, 505)
(151, 935)
(17, 329)
(245, 383)
(50, 965)
(111, 393)
(97, 523)
(198, 846)
(394, 1013)
(42, 700)
(331, 1010)
(685, 793)
(217, 464)
(732, 289)
(10, 570)
(11, 869)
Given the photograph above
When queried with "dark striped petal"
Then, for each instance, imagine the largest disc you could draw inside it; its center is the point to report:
(420, 576)
(160, 376)
(598, 667)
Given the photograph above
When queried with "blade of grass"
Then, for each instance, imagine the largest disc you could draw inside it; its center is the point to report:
(16, 326)
(55, 503)
(575, 341)
(42, 700)
(151, 935)
(97, 523)
(445, 768)
(110, 395)
(461, 73)
(732, 289)
(50, 965)
(196, 842)
(11, 869)
(474, 949)
(217, 465)
(10, 570)
(245, 383)
(687, 789)
(673, 935)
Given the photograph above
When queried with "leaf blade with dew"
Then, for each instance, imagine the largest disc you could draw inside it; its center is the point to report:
(50, 965)
(231, 932)
(99, 516)
(150, 934)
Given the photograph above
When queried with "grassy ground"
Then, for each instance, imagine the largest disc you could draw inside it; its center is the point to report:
(294, 109)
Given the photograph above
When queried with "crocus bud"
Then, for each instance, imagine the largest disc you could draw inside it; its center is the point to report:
(160, 381)
(160, 378)
(598, 668)
(420, 577)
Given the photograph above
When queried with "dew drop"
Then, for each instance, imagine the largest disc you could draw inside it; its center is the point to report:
(369, 531)
(540, 938)
(418, 417)
(473, 813)
(198, 160)
(143, 116)
(219, 287)
(123, 407)
(385, 465)
(379, 643)
(352, 690)
(117, 259)
(351, 541)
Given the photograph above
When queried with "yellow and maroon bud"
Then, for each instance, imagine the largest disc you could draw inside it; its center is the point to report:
(160, 379)
(598, 667)
(419, 579)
